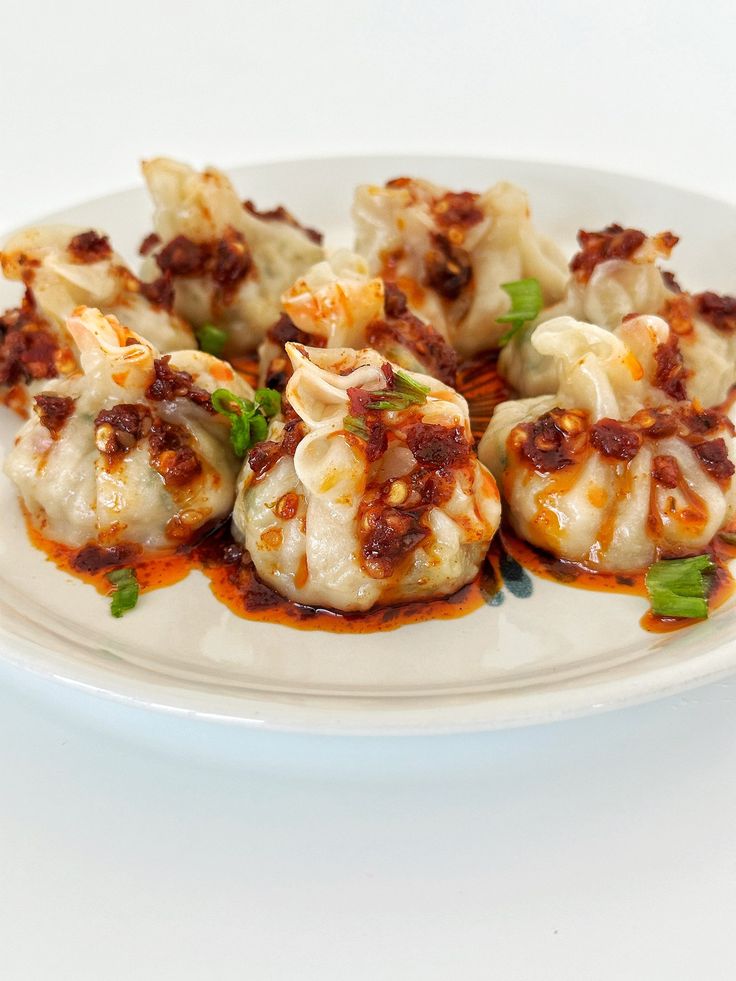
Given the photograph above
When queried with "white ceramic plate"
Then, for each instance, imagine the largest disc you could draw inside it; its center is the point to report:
(563, 652)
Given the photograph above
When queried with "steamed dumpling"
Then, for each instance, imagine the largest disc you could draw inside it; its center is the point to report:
(451, 252)
(67, 267)
(705, 325)
(32, 351)
(229, 264)
(616, 468)
(615, 274)
(348, 505)
(338, 304)
(129, 450)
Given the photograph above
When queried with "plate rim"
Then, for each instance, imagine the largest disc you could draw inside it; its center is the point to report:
(475, 158)
(367, 716)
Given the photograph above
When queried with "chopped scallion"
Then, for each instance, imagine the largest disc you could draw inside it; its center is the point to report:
(248, 420)
(406, 392)
(356, 426)
(125, 594)
(526, 302)
(680, 587)
(212, 339)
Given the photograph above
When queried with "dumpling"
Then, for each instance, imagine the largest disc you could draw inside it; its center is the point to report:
(368, 491)
(33, 350)
(616, 468)
(129, 451)
(229, 264)
(338, 304)
(617, 272)
(66, 267)
(452, 252)
(705, 325)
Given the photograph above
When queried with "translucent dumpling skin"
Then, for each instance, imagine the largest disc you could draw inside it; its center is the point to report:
(617, 273)
(451, 252)
(616, 468)
(33, 350)
(228, 263)
(337, 303)
(350, 504)
(65, 267)
(129, 449)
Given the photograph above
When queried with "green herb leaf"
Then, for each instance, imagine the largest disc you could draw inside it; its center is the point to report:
(408, 386)
(248, 420)
(227, 404)
(680, 587)
(212, 339)
(269, 401)
(240, 435)
(356, 426)
(405, 392)
(125, 595)
(526, 302)
(258, 428)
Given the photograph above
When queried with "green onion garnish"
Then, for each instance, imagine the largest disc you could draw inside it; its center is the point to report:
(526, 302)
(405, 392)
(248, 420)
(212, 339)
(728, 537)
(356, 426)
(680, 587)
(125, 595)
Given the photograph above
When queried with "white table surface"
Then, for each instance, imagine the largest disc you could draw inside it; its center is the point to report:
(141, 846)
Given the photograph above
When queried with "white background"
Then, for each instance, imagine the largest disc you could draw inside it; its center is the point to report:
(135, 846)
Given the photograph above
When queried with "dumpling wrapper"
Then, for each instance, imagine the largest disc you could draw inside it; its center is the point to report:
(452, 252)
(581, 474)
(317, 549)
(617, 288)
(77, 493)
(337, 303)
(205, 208)
(62, 280)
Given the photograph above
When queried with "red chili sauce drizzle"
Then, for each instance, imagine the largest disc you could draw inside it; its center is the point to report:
(30, 350)
(232, 577)
(548, 566)
(398, 335)
(561, 438)
(91, 564)
(234, 582)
